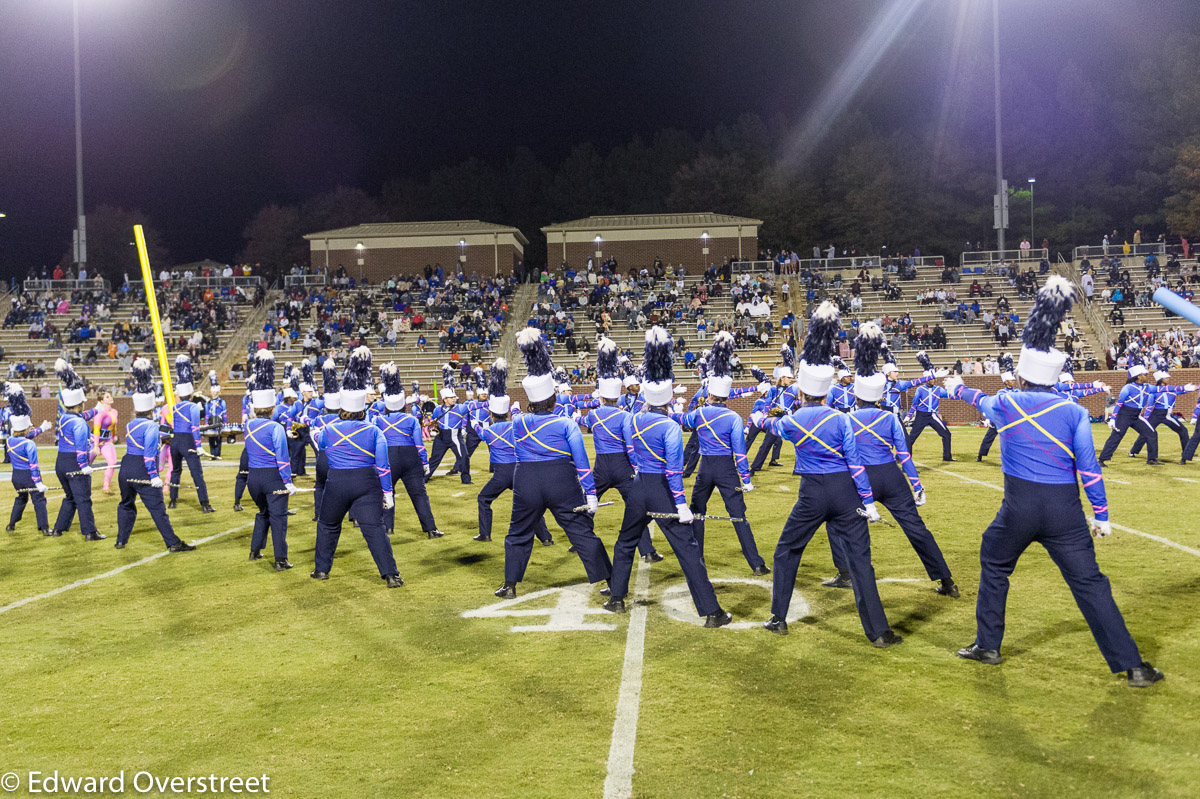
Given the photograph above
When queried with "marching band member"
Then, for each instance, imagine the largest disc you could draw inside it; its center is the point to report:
(479, 412)
(359, 479)
(841, 393)
(924, 410)
(1132, 400)
(778, 401)
(612, 438)
(312, 407)
(26, 472)
(553, 473)
(896, 389)
(1158, 412)
(104, 426)
(243, 473)
(723, 463)
(834, 489)
(879, 439)
(450, 417)
(332, 400)
(73, 466)
(216, 415)
(270, 473)
(1043, 462)
(406, 451)
(139, 476)
(502, 453)
(632, 400)
(185, 444)
(1005, 362)
(658, 455)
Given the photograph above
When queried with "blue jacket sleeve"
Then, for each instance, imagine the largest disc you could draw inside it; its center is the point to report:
(737, 443)
(903, 456)
(194, 418)
(627, 437)
(279, 447)
(857, 470)
(673, 452)
(81, 441)
(583, 468)
(383, 465)
(1089, 468)
(151, 440)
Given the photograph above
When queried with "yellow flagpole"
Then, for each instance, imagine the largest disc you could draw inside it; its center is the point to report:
(159, 344)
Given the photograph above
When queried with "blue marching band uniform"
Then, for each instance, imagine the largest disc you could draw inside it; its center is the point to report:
(216, 416)
(852, 454)
(22, 452)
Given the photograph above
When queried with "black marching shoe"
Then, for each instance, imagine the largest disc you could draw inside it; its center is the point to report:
(12, 528)
(949, 460)
(1144, 676)
(718, 619)
(571, 548)
(207, 508)
(839, 580)
(389, 531)
(1183, 461)
(760, 571)
(979, 459)
(182, 546)
(256, 554)
(774, 463)
(889, 638)
(394, 581)
(45, 531)
(118, 545)
(989, 656)
(434, 534)
(506, 591)
(606, 590)
(51, 533)
(654, 557)
(614, 605)
(282, 565)
(1155, 462)
(481, 537)
(94, 536)
(549, 542)
(289, 513)
(947, 588)
(1103, 464)
(237, 507)
(171, 504)
(776, 625)
(316, 575)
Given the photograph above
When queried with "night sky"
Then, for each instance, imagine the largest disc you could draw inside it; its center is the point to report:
(200, 112)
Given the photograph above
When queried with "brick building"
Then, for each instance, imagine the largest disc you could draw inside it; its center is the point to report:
(635, 241)
(378, 250)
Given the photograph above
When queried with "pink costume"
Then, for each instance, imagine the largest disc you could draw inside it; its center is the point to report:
(164, 450)
(104, 424)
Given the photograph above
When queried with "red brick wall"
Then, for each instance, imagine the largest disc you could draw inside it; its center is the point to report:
(642, 253)
(380, 264)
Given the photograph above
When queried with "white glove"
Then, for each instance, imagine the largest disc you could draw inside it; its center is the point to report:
(515, 407)
(389, 500)
(46, 425)
(1190, 387)
(596, 394)
(425, 468)
(86, 470)
(920, 497)
(747, 487)
(40, 486)
(593, 504)
(685, 514)
(291, 488)
(940, 373)
(952, 385)
(757, 417)
(1101, 529)
(680, 389)
(156, 482)
(764, 387)
(1112, 423)
(872, 512)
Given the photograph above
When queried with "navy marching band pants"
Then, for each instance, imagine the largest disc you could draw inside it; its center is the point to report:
(451, 440)
(501, 481)
(1052, 516)
(720, 473)
(77, 495)
(771, 443)
(540, 486)
(183, 448)
(832, 500)
(21, 478)
(932, 420)
(891, 490)
(651, 493)
(239, 482)
(1161, 416)
(612, 470)
(1128, 417)
(272, 510)
(691, 454)
(133, 467)
(353, 491)
(989, 436)
(407, 469)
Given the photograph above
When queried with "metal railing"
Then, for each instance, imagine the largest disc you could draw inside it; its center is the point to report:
(304, 281)
(1100, 250)
(738, 267)
(981, 257)
(1085, 309)
(214, 282)
(97, 283)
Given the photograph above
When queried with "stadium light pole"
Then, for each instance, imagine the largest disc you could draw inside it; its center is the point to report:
(1001, 197)
(81, 220)
(1031, 244)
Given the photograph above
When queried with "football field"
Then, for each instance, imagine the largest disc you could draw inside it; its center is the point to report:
(204, 663)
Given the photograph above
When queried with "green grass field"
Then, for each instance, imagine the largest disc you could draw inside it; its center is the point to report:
(204, 663)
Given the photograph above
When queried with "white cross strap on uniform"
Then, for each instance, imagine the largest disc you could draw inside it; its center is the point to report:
(697, 517)
(584, 508)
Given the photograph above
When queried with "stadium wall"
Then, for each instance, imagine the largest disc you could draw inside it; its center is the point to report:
(381, 262)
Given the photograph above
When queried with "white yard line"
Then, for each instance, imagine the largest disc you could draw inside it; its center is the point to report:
(1186, 480)
(619, 782)
(459, 494)
(88, 580)
(1160, 539)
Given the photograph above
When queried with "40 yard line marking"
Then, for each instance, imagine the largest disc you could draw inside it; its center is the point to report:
(1160, 539)
(619, 782)
(88, 580)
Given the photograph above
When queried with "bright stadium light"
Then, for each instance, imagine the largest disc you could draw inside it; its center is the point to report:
(462, 251)
(704, 248)
(359, 247)
(1031, 182)
(598, 240)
